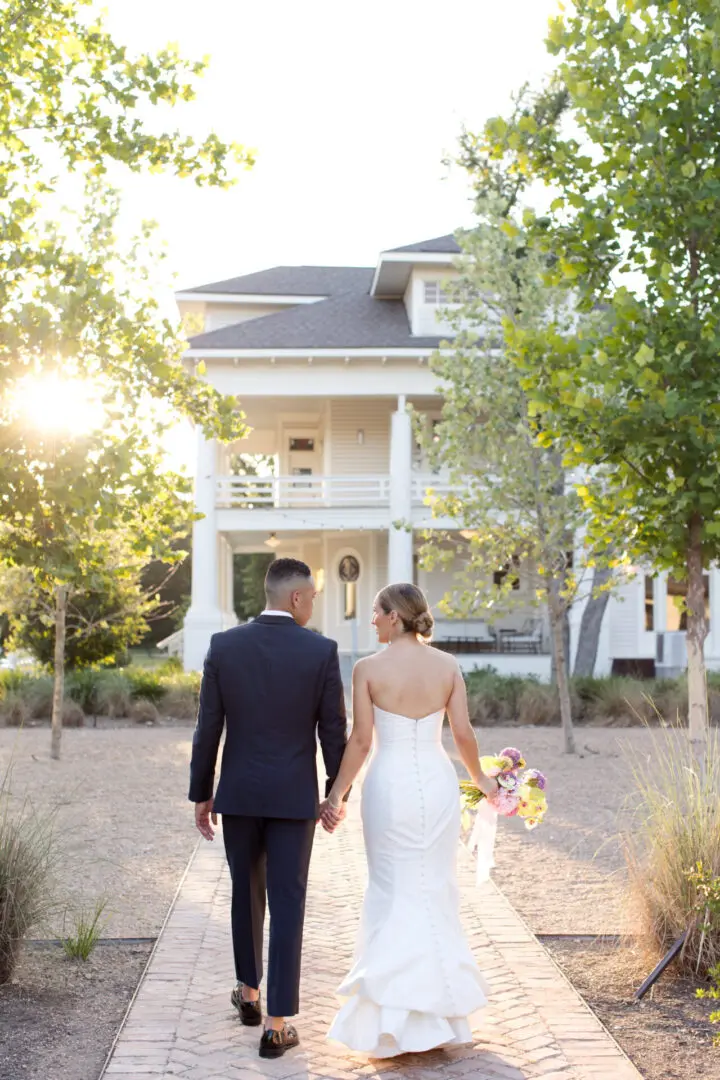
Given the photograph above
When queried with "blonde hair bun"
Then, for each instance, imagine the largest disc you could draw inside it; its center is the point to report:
(423, 624)
(411, 604)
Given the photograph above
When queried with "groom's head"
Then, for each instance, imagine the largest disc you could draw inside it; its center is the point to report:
(289, 586)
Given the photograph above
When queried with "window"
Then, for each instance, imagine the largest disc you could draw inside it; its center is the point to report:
(649, 603)
(350, 600)
(676, 602)
(299, 445)
(434, 294)
(349, 574)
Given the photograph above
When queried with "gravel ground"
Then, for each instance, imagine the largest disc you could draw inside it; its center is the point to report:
(123, 819)
(668, 1034)
(58, 1017)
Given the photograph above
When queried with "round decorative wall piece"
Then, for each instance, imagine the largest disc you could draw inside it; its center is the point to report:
(349, 569)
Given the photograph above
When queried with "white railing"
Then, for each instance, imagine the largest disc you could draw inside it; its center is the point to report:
(426, 486)
(262, 492)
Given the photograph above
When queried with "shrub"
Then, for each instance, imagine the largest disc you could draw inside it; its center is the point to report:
(172, 666)
(144, 712)
(113, 696)
(87, 932)
(72, 714)
(14, 709)
(27, 855)
(714, 995)
(180, 703)
(143, 683)
(675, 826)
(84, 686)
(538, 705)
(621, 701)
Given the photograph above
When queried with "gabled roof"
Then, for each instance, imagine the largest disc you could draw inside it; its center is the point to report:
(439, 245)
(352, 321)
(294, 281)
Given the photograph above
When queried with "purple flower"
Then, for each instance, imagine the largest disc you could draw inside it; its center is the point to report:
(514, 755)
(534, 778)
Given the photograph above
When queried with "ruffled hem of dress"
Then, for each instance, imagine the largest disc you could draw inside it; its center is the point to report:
(383, 1031)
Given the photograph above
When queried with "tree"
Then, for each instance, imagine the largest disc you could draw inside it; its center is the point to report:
(71, 509)
(105, 614)
(518, 508)
(249, 580)
(636, 227)
(249, 569)
(77, 312)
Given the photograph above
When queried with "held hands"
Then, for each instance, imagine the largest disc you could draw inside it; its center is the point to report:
(203, 816)
(331, 816)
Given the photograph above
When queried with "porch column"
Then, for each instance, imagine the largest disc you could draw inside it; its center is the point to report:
(228, 597)
(400, 540)
(204, 616)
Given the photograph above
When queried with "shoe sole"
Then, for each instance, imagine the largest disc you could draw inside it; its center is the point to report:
(273, 1053)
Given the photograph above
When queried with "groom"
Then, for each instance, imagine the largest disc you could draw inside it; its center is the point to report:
(274, 686)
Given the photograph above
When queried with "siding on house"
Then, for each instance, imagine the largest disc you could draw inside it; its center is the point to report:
(625, 614)
(348, 457)
(229, 314)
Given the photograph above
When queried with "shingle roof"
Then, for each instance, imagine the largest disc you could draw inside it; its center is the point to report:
(351, 321)
(440, 245)
(295, 281)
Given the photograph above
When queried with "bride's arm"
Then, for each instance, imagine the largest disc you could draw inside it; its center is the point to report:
(360, 740)
(464, 736)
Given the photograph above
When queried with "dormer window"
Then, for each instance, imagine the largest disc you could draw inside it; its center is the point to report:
(434, 294)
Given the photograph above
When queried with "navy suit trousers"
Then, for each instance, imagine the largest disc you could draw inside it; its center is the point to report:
(269, 857)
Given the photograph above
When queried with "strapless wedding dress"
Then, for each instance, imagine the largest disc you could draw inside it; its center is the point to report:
(414, 983)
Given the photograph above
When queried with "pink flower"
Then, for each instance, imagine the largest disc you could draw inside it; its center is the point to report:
(505, 803)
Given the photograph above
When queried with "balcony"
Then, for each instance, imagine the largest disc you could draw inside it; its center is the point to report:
(251, 492)
(264, 492)
(312, 502)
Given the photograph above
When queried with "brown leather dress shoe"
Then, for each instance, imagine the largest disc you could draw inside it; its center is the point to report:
(250, 1011)
(274, 1043)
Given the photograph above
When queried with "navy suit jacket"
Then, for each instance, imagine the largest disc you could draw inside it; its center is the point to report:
(276, 689)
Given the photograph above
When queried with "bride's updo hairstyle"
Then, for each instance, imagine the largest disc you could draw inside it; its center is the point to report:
(412, 607)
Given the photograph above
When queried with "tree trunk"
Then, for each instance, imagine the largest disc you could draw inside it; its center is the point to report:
(59, 671)
(591, 623)
(697, 631)
(557, 629)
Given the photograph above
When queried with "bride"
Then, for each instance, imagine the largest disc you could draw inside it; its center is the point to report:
(414, 982)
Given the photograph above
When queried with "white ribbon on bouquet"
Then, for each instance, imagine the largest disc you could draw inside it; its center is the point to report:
(482, 840)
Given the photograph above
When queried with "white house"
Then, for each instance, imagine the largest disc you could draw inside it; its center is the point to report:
(324, 361)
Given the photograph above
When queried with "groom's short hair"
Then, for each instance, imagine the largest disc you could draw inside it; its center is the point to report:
(283, 573)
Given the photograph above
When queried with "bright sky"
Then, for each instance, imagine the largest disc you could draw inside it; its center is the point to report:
(351, 108)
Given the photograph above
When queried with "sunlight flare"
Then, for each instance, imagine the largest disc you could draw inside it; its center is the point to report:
(51, 403)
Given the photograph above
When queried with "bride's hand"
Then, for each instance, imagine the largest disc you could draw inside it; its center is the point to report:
(330, 817)
(489, 786)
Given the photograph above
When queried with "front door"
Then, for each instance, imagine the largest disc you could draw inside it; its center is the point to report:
(303, 455)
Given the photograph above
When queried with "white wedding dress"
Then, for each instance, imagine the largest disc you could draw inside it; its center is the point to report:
(414, 982)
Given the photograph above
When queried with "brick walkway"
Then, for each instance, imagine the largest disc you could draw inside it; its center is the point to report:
(181, 1023)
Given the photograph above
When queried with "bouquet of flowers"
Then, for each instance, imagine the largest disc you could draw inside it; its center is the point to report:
(521, 793)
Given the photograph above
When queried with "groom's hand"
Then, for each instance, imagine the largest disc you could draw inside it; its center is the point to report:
(203, 816)
(330, 818)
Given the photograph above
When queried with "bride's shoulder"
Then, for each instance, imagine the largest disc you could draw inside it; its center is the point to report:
(363, 665)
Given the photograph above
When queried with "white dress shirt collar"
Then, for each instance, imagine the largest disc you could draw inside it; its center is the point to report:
(269, 612)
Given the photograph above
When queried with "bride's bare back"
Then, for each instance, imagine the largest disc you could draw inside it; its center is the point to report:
(410, 679)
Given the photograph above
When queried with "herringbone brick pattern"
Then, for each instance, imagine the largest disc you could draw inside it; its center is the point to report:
(181, 1023)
